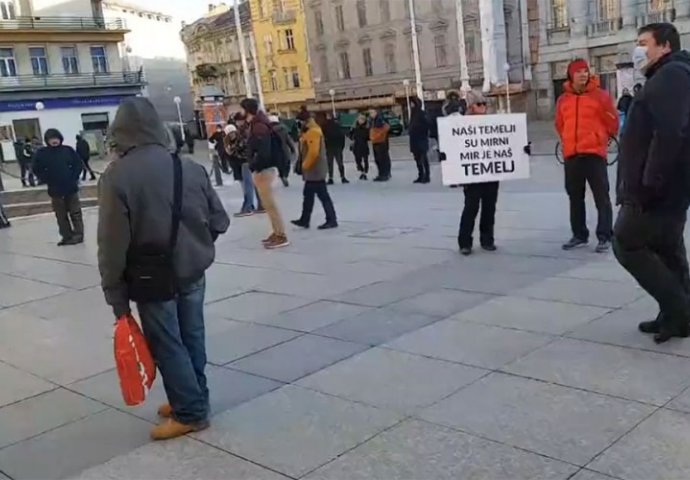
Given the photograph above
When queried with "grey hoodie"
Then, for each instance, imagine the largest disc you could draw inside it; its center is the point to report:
(135, 200)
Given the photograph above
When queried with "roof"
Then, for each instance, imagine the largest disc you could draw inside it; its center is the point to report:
(223, 20)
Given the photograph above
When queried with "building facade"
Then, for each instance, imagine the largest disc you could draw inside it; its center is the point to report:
(163, 60)
(283, 54)
(602, 32)
(60, 72)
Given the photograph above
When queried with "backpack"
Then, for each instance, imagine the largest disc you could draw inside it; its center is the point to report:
(135, 366)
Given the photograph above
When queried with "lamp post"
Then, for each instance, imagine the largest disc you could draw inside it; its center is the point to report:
(178, 101)
(506, 67)
(331, 92)
(406, 84)
(415, 53)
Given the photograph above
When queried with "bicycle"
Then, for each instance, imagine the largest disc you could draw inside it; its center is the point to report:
(612, 152)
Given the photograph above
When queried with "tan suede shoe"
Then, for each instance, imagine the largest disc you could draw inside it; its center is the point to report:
(165, 411)
(171, 428)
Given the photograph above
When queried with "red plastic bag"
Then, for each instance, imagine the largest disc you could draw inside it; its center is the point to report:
(134, 362)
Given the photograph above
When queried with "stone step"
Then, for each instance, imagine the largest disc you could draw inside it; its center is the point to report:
(15, 210)
(40, 194)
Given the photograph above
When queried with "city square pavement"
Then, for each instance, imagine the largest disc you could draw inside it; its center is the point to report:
(374, 351)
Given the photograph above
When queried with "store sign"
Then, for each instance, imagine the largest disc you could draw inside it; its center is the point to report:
(55, 103)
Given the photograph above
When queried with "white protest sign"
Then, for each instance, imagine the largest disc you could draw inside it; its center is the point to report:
(483, 148)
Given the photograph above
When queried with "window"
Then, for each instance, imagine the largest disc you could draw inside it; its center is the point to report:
(344, 66)
(295, 77)
(95, 121)
(7, 10)
(278, 6)
(268, 43)
(559, 10)
(473, 41)
(99, 61)
(385, 6)
(339, 18)
(39, 61)
(361, 13)
(70, 62)
(262, 10)
(440, 49)
(8, 67)
(389, 57)
(366, 58)
(660, 5)
(274, 80)
(289, 39)
(286, 77)
(323, 68)
(318, 22)
(406, 4)
(608, 9)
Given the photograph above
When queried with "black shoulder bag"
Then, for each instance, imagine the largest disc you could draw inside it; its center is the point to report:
(150, 273)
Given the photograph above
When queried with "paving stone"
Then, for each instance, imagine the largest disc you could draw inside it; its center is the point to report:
(469, 343)
(41, 413)
(308, 285)
(531, 314)
(655, 450)
(301, 356)
(375, 327)
(383, 293)
(681, 402)
(70, 275)
(501, 262)
(19, 385)
(313, 316)
(418, 450)
(590, 475)
(602, 271)
(486, 281)
(583, 292)
(390, 379)
(223, 281)
(84, 308)
(633, 374)
(227, 389)
(440, 303)
(293, 430)
(4, 477)
(237, 340)
(72, 448)
(182, 459)
(15, 290)
(559, 422)
(251, 306)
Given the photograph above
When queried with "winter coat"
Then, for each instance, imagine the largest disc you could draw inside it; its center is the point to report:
(378, 133)
(359, 134)
(236, 151)
(136, 197)
(418, 131)
(334, 135)
(624, 103)
(654, 159)
(217, 140)
(83, 149)
(59, 168)
(313, 150)
(288, 147)
(261, 144)
(585, 121)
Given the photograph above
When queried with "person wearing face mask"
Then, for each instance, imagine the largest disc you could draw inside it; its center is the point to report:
(654, 181)
(585, 120)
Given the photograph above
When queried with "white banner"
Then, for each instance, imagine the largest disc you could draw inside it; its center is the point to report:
(483, 148)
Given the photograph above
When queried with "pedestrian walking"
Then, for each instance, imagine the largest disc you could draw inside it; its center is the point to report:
(216, 143)
(378, 135)
(653, 185)
(314, 168)
(418, 131)
(287, 148)
(585, 120)
(59, 167)
(159, 216)
(261, 143)
(359, 135)
(334, 138)
(242, 125)
(84, 152)
(25, 154)
(236, 148)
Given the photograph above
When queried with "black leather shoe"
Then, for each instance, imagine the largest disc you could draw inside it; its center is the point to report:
(328, 226)
(652, 326)
(300, 223)
(666, 333)
(489, 248)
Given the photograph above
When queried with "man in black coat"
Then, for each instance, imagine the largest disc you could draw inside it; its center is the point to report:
(335, 144)
(59, 167)
(84, 152)
(418, 131)
(654, 181)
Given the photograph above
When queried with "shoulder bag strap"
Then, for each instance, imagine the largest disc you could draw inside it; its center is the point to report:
(177, 201)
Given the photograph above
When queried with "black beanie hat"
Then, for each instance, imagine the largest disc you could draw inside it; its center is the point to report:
(250, 105)
(53, 133)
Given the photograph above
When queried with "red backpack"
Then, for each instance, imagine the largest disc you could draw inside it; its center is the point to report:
(135, 365)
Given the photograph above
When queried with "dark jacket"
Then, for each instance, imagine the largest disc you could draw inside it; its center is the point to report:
(83, 149)
(260, 144)
(136, 197)
(624, 103)
(333, 135)
(286, 144)
(359, 134)
(654, 160)
(418, 131)
(59, 168)
(217, 140)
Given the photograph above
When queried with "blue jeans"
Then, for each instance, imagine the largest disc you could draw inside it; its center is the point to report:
(249, 191)
(175, 334)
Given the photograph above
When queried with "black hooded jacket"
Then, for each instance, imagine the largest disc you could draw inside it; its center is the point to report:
(418, 129)
(654, 160)
(58, 167)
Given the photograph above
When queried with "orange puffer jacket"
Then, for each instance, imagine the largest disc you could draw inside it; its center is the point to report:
(585, 121)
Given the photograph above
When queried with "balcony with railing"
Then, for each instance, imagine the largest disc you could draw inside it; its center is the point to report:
(666, 15)
(64, 81)
(284, 16)
(605, 26)
(63, 24)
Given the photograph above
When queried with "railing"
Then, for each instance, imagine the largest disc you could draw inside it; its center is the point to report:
(62, 23)
(662, 16)
(603, 27)
(286, 16)
(79, 80)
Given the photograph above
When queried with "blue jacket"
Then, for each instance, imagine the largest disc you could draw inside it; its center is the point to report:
(59, 168)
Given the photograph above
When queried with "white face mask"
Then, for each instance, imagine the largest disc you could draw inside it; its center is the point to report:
(639, 58)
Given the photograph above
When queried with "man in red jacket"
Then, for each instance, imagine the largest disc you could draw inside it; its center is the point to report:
(585, 120)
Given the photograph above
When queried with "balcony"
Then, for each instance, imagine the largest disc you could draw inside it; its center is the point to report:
(286, 16)
(62, 23)
(71, 81)
(661, 16)
(62, 29)
(605, 27)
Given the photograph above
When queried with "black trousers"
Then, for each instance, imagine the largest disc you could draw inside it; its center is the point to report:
(476, 195)
(337, 155)
(26, 173)
(382, 159)
(580, 171)
(69, 217)
(87, 168)
(317, 189)
(422, 162)
(650, 246)
(362, 161)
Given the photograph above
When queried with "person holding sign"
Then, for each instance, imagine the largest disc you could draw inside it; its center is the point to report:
(585, 120)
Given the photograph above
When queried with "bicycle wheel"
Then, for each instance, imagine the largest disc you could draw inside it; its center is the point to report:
(559, 153)
(612, 151)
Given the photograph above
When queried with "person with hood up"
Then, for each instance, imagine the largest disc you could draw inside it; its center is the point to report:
(585, 121)
(84, 152)
(137, 218)
(653, 185)
(359, 134)
(264, 153)
(418, 131)
(59, 167)
(288, 148)
(314, 168)
(334, 138)
(378, 135)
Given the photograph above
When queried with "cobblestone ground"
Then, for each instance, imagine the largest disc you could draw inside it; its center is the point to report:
(369, 352)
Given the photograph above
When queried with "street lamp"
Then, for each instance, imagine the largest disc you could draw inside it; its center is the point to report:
(406, 84)
(40, 106)
(506, 67)
(178, 101)
(331, 92)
